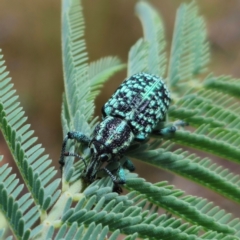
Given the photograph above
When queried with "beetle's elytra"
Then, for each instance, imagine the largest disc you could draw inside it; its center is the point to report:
(136, 109)
(142, 101)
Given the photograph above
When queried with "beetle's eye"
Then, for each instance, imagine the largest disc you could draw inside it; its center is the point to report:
(104, 158)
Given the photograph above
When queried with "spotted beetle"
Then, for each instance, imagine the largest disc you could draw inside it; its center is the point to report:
(136, 109)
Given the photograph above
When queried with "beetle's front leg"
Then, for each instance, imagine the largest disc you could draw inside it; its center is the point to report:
(171, 128)
(118, 180)
(127, 163)
(76, 135)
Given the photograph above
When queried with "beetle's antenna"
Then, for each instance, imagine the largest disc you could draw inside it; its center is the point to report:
(61, 159)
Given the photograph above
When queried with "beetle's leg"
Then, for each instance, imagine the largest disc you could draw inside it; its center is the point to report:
(117, 181)
(170, 129)
(128, 165)
(140, 138)
(78, 136)
(121, 175)
(104, 114)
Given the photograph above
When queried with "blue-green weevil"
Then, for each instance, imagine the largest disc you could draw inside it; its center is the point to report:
(136, 109)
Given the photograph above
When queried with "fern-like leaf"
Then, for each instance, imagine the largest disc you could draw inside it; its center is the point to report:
(18, 212)
(154, 36)
(77, 73)
(189, 207)
(199, 170)
(137, 58)
(224, 84)
(100, 71)
(27, 154)
(189, 51)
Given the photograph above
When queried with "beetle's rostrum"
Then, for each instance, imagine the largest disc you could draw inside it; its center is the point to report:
(136, 109)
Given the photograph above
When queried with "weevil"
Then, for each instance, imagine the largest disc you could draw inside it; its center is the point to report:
(137, 109)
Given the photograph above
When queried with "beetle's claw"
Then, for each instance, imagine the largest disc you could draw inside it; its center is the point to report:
(117, 188)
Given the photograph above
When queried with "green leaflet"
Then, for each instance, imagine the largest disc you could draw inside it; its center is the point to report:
(137, 58)
(100, 71)
(154, 36)
(189, 50)
(198, 169)
(164, 196)
(225, 84)
(13, 207)
(78, 74)
(27, 155)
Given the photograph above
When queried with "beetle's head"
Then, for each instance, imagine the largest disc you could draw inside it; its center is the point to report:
(99, 155)
(99, 152)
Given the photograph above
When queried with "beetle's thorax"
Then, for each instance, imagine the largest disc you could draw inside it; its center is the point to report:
(115, 134)
(111, 138)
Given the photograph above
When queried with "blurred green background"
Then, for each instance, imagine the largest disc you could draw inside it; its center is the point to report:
(30, 40)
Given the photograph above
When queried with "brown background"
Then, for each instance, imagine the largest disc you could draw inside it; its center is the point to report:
(30, 39)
